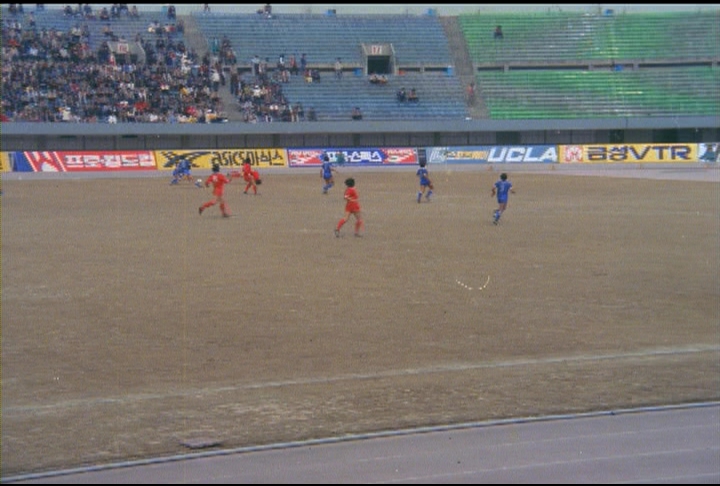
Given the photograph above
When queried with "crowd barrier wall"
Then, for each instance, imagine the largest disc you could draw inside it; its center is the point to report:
(298, 157)
(22, 136)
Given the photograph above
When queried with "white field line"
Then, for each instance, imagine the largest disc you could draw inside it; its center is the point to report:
(447, 368)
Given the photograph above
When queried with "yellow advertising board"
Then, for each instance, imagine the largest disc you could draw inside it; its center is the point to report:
(632, 153)
(226, 158)
(5, 165)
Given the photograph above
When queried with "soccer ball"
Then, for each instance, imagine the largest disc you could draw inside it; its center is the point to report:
(199, 182)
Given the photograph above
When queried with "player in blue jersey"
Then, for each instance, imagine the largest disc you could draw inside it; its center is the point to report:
(426, 184)
(501, 189)
(326, 173)
(183, 170)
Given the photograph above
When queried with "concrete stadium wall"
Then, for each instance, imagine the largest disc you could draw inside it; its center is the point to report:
(149, 136)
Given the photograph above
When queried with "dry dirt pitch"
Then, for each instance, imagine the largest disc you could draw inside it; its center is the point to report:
(131, 325)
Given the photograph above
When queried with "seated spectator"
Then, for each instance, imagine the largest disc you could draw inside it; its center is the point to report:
(311, 114)
(374, 78)
(356, 113)
(107, 31)
(104, 14)
(401, 95)
(266, 11)
(134, 14)
(171, 14)
(498, 34)
(76, 33)
(315, 74)
(413, 97)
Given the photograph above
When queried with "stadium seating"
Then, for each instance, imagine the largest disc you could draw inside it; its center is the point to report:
(417, 40)
(547, 93)
(123, 27)
(441, 97)
(548, 65)
(571, 37)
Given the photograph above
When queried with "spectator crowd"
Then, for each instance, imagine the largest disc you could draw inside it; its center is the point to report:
(51, 75)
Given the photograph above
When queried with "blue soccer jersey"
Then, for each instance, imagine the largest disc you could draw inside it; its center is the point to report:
(422, 173)
(503, 188)
(327, 169)
(183, 167)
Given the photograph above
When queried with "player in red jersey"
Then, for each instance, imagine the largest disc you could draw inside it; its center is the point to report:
(250, 176)
(218, 182)
(352, 207)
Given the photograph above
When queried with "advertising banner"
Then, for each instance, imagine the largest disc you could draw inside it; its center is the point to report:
(709, 152)
(629, 153)
(312, 157)
(5, 165)
(84, 161)
(493, 154)
(226, 158)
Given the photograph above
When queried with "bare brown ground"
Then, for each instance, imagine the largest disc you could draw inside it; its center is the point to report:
(130, 324)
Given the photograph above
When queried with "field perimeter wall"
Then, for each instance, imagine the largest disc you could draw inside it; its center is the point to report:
(298, 157)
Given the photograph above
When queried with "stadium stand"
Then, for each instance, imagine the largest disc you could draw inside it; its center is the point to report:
(440, 97)
(529, 94)
(561, 38)
(547, 65)
(575, 65)
(417, 40)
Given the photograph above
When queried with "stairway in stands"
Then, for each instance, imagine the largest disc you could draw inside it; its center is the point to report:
(196, 40)
(463, 63)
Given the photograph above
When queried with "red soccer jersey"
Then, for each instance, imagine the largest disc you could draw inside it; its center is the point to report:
(247, 172)
(352, 201)
(218, 181)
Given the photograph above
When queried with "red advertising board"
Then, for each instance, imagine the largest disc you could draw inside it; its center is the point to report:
(88, 161)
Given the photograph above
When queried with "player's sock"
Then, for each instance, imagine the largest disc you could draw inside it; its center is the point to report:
(340, 224)
(429, 194)
(419, 196)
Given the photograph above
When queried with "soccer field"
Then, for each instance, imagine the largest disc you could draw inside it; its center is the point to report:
(132, 325)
